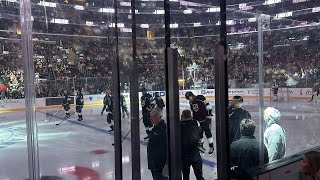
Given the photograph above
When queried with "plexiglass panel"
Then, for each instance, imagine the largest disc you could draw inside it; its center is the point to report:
(272, 77)
(194, 28)
(13, 139)
(73, 45)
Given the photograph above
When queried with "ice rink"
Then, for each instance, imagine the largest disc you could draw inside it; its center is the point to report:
(83, 150)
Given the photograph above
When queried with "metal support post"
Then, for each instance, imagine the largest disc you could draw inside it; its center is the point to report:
(173, 116)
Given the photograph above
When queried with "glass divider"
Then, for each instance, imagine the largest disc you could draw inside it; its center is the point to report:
(29, 78)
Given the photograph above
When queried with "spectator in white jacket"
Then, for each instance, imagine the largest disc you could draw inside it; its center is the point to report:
(274, 135)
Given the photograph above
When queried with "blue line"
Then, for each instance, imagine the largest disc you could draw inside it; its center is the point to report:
(204, 161)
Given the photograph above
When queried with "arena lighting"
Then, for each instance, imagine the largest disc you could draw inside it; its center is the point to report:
(215, 9)
(187, 11)
(231, 22)
(127, 30)
(252, 19)
(106, 10)
(270, 2)
(175, 25)
(283, 15)
(59, 21)
(145, 26)
(197, 24)
(137, 11)
(298, 1)
(47, 4)
(244, 7)
(89, 23)
(316, 9)
(77, 7)
(128, 4)
(120, 25)
(158, 12)
(12, 1)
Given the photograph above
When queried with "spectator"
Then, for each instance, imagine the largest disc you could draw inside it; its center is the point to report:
(274, 135)
(310, 165)
(245, 152)
(190, 138)
(236, 115)
(157, 145)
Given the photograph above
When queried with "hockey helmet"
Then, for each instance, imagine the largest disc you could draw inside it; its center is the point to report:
(188, 94)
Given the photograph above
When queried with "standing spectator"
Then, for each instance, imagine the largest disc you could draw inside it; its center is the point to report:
(274, 135)
(236, 115)
(310, 165)
(157, 145)
(190, 138)
(244, 152)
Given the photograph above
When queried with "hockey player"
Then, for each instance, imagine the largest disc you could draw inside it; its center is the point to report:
(202, 112)
(105, 101)
(109, 109)
(275, 90)
(79, 104)
(158, 101)
(147, 106)
(66, 103)
(123, 106)
(315, 91)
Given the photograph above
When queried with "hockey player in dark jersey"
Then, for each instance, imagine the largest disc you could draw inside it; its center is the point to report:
(315, 91)
(202, 112)
(105, 101)
(66, 103)
(123, 106)
(147, 105)
(275, 90)
(109, 109)
(79, 104)
(159, 101)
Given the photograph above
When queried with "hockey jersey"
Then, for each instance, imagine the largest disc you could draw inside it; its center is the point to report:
(109, 103)
(200, 108)
(66, 100)
(79, 100)
(146, 103)
(159, 102)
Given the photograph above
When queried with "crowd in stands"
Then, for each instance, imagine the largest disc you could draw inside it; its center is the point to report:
(73, 63)
(64, 61)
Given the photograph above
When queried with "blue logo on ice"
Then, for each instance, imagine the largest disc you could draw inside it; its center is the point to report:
(90, 98)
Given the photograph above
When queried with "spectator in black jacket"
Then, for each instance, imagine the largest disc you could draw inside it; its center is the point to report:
(190, 138)
(236, 115)
(157, 145)
(244, 153)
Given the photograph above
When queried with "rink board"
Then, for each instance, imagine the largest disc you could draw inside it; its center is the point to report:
(91, 100)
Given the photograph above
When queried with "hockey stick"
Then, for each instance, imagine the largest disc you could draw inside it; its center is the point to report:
(66, 118)
(55, 114)
(126, 134)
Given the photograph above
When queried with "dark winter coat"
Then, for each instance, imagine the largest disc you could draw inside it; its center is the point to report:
(235, 117)
(190, 138)
(245, 153)
(157, 147)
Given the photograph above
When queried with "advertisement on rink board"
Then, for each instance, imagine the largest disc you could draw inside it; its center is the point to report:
(292, 93)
